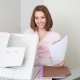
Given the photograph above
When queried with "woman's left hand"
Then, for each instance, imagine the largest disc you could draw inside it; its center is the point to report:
(62, 63)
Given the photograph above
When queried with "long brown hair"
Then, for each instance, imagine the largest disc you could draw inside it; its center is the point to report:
(45, 10)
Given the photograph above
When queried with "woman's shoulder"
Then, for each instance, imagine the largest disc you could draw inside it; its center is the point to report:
(54, 35)
(28, 31)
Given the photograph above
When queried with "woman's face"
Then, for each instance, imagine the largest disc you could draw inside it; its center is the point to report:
(40, 19)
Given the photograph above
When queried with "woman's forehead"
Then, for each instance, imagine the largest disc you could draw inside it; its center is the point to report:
(39, 13)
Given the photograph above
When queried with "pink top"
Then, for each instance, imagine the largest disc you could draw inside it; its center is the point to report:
(43, 55)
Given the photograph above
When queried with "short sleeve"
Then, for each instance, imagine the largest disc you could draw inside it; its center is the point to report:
(28, 31)
(57, 37)
(52, 37)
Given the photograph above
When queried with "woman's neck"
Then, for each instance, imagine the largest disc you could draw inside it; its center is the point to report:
(41, 33)
(41, 30)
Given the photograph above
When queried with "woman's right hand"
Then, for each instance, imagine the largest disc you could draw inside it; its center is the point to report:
(62, 63)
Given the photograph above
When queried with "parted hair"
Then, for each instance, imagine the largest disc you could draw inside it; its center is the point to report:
(49, 21)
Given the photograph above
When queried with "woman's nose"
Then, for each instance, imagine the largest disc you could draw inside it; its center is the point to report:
(39, 20)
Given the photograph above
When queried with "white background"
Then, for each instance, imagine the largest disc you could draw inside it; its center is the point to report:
(10, 15)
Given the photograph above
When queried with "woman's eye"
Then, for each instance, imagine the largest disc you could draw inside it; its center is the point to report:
(40, 17)
(43, 17)
(36, 18)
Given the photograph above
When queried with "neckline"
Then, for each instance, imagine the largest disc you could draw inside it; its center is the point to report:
(43, 37)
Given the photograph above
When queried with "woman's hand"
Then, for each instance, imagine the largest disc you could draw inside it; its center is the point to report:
(9, 32)
(62, 63)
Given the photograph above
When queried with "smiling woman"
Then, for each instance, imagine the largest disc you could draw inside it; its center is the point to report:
(41, 24)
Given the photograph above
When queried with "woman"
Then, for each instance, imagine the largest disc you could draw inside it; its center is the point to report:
(41, 24)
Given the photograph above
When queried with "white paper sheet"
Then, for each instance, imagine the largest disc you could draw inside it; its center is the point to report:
(58, 50)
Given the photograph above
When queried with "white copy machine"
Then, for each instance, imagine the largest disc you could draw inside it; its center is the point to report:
(17, 56)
